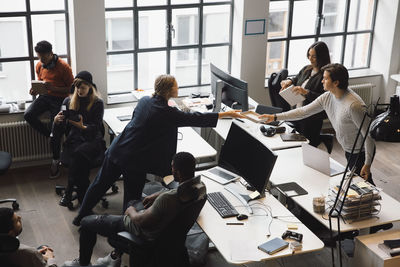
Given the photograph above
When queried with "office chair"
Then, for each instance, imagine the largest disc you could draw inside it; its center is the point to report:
(5, 163)
(169, 248)
(274, 86)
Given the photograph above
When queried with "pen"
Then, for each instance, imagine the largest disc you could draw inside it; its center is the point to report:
(239, 120)
(237, 223)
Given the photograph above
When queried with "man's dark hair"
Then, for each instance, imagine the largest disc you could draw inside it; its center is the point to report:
(339, 73)
(6, 222)
(43, 47)
(185, 163)
(322, 53)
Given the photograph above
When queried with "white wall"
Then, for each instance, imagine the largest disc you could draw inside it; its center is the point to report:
(88, 40)
(249, 51)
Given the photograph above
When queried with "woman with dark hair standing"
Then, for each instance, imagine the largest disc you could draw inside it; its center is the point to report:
(308, 83)
(82, 122)
(146, 145)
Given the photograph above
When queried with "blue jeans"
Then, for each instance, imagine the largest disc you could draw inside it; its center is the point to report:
(109, 173)
(105, 225)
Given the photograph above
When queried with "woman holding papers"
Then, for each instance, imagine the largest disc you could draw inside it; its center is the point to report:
(146, 145)
(308, 83)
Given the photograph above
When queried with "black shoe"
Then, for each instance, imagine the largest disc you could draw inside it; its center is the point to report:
(65, 200)
(327, 139)
(77, 220)
(375, 229)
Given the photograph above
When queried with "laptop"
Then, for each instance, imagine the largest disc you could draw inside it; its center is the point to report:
(221, 175)
(319, 160)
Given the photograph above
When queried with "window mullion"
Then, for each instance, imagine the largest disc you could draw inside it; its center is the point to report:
(169, 36)
(135, 44)
(346, 23)
(200, 51)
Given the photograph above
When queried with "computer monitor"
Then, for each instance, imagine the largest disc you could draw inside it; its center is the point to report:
(243, 154)
(228, 90)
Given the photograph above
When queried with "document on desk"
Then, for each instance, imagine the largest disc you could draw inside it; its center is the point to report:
(291, 97)
(239, 252)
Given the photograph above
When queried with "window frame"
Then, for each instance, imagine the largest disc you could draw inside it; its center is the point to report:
(168, 48)
(28, 13)
(344, 33)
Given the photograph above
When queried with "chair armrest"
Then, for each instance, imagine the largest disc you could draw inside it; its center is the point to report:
(126, 236)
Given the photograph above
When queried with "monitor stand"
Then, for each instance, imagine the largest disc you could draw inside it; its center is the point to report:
(243, 198)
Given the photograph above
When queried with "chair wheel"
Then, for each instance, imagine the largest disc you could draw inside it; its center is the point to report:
(15, 205)
(104, 204)
(70, 205)
(114, 189)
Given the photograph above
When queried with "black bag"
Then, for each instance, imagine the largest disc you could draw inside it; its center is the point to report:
(386, 126)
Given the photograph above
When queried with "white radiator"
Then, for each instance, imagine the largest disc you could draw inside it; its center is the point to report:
(22, 142)
(364, 90)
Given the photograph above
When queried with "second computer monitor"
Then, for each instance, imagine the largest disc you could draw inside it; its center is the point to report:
(243, 154)
(228, 90)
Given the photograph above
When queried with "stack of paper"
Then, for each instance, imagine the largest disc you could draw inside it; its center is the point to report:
(291, 97)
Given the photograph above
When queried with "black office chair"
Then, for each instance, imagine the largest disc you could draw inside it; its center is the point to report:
(168, 249)
(5, 163)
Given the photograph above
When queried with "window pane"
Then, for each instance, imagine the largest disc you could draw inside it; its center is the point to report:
(298, 55)
(118, 3)
(184, 66)
(216, 24)
(15, 78)
(54, 33)
(304, 17)
(357, 47)
(335, 47)
(12, 6)
(360, 16)
(152, 29)
(119, 73)
(217, 56)
(119, 30)
(37, 5)
(334, 12)
(176, 2)
(277, 19)
(151, 65)
(186, 25)
(275, 57)
(151, 3)
(15, 45)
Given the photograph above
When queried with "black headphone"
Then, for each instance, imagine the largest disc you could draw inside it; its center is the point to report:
(267, 131)
(191, 189)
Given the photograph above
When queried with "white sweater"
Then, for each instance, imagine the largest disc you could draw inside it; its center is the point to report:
(345, 113)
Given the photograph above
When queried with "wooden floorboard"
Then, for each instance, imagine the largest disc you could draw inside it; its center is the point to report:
(45, 222)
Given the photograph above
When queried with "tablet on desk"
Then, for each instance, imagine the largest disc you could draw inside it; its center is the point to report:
(221, 175)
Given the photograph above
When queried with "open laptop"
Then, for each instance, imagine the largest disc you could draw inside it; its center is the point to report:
(320, 160)
(221, 175)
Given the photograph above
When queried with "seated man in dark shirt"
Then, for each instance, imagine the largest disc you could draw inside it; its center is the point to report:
(160, 209)
(11, 224)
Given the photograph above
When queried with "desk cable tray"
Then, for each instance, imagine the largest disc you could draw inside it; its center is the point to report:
(361, 202)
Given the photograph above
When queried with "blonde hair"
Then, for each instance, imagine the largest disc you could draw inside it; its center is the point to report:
(93, 94)
(163, 85)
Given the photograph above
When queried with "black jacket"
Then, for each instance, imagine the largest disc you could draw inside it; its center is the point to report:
(149, 141)
(314, 85)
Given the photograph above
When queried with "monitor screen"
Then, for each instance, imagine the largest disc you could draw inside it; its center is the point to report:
(245, 155)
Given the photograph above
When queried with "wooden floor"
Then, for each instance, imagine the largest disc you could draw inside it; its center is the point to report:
(45, 222)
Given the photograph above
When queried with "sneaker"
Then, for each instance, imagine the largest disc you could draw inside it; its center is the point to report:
(74, 262)
(65, 200)
(107, 261)
(54, 169)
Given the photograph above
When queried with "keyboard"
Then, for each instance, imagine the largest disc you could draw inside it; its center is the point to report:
(221, 205)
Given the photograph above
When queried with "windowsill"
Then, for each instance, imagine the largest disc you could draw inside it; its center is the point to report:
(353, 74)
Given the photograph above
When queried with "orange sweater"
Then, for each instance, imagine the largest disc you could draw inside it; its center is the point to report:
(59, 76)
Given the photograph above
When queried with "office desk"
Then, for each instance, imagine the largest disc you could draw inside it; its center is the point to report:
(274, 143)
(238, 243)
(289, 167)
(191, 141)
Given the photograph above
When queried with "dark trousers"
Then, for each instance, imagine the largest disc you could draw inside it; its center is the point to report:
(105, 225)
(310, 128)
(133, 185)
(359, 164)
(78, 175)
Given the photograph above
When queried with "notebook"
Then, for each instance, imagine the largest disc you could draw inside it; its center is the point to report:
(273, 245)
(319, 160)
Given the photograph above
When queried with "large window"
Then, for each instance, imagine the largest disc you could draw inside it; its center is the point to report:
(346, 26)
(182, 37)
(23, 23)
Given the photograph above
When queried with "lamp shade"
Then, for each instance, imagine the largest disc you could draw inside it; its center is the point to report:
(386, 126)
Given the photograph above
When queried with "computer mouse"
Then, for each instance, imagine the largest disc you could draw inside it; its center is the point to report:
(242, 217)
(267, 131)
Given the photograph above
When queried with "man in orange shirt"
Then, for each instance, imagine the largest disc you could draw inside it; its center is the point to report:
(58, 78)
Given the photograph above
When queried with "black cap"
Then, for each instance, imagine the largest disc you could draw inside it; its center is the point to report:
(85, 75)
